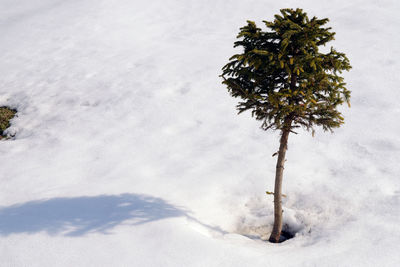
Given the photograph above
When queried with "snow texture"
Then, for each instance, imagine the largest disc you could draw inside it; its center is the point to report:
(128, 150)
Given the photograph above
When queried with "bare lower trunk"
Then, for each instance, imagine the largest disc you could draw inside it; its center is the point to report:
(276, 231)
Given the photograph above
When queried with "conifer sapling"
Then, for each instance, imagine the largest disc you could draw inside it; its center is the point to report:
(286, 82)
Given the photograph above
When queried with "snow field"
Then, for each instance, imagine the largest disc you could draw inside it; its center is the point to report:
(123, 118)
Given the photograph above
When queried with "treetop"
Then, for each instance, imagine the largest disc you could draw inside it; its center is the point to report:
(282, 77)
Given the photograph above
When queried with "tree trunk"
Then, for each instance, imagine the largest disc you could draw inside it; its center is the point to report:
(276, 231)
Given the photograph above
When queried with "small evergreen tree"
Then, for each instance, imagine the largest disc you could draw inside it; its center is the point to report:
(287, 83)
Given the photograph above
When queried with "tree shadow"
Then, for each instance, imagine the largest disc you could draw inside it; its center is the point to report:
(81, 215)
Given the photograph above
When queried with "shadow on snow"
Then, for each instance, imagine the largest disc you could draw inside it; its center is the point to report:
(81, 215)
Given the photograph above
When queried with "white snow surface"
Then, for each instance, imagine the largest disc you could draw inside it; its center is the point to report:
(128, 150)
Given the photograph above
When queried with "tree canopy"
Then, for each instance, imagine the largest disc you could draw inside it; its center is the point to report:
(283, 78)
